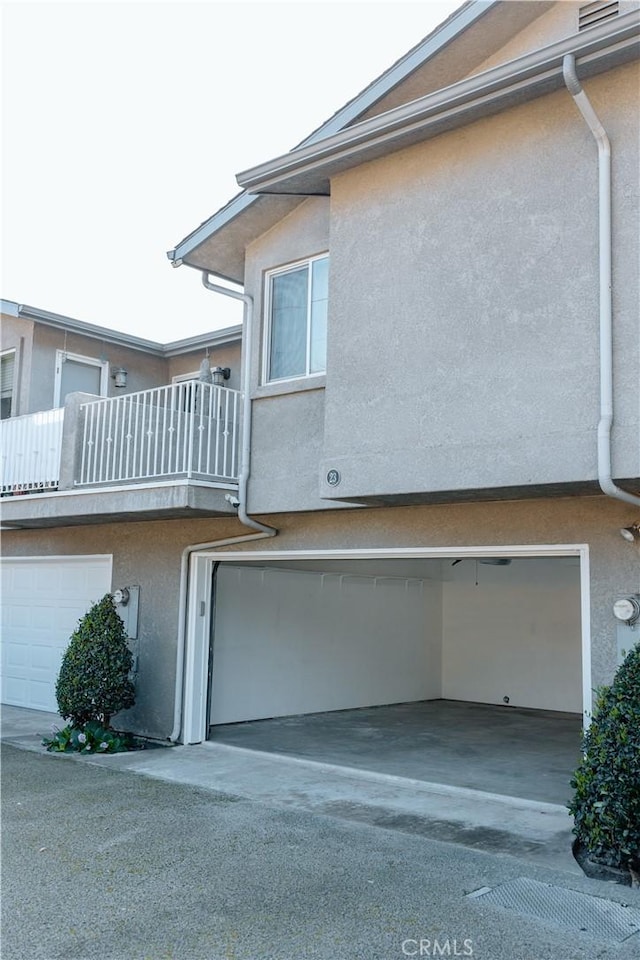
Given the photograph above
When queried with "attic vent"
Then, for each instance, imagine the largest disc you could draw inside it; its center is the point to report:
(594, 13)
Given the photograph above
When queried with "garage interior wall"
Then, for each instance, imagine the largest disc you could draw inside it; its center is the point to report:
(516, 634)
(312, 636)
(294, 641)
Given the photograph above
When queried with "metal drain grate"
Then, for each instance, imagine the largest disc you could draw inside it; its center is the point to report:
(580, 912)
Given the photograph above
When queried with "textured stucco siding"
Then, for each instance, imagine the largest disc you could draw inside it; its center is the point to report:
(148, 554)
(288, 417)
(226, 356)
(16, 334)
(144, 371)
(463, 323)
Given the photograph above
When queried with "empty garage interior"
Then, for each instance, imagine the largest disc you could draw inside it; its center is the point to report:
(308, 636)
(405, 666)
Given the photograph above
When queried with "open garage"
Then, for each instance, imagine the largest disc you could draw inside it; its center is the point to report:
(398, 665)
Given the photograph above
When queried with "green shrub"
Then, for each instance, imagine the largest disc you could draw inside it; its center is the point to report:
(91, 738)
(606, 802)
(94, 681)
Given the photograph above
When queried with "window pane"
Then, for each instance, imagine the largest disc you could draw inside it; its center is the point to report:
(289, 325)
(319, 302)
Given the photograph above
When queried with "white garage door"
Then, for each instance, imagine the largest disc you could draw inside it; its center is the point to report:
(42, 601)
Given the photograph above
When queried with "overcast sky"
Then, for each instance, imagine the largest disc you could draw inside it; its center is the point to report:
(124, 124)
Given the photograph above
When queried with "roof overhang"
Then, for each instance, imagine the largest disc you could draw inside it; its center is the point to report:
(218, 244)
(214, 338)
(309, 168)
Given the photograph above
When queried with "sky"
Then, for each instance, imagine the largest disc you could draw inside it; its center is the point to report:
(124, 124)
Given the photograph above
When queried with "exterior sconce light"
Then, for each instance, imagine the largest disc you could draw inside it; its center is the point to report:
(119, 376)
(631, 533)
(220, 374)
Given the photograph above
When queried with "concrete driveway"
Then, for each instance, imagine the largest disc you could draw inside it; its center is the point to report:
(102, 862)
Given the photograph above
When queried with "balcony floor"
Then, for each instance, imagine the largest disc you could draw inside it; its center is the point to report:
(160, 501)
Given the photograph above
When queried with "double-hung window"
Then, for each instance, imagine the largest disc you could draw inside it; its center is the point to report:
(296, 298)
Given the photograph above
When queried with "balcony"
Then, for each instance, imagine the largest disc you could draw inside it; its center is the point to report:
(158, 454)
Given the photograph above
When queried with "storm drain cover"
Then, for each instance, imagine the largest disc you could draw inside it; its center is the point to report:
(579, 912)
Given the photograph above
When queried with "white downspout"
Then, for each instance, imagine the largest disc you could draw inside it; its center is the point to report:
(263, 531)
(604, 243)
(245, 459)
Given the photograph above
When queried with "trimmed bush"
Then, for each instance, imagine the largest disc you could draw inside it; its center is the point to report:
(94, 681)
(606, 803)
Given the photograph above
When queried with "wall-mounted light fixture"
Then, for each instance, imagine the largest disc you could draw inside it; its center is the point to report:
(119, 377)
(631, 533)
(220, 374)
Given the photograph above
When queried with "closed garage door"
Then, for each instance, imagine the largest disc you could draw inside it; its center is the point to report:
(42, 601)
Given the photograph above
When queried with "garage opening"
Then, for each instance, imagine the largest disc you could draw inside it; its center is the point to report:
(401, 665)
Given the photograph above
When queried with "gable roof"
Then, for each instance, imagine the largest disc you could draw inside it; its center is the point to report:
(231, 269)
(308, 168)
(429, 90)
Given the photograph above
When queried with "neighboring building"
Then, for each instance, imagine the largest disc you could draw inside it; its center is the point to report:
(100, 427)
(426, 362)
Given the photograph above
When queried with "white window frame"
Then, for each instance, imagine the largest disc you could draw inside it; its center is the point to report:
(14, 392)
(63, 355)
(266, 352)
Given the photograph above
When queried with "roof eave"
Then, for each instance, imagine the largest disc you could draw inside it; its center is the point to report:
(456, 24)
(309, 167)
(150, 347)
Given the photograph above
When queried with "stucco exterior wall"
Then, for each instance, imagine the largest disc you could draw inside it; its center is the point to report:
(144, 371)
(149, 553)
(226, 356)
(288, 418)
(16, 334)
(463, 317)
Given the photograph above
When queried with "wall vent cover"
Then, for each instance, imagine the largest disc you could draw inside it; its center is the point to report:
(594, 13)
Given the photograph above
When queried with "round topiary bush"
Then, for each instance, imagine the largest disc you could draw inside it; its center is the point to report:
(606, 802)
(94, 681)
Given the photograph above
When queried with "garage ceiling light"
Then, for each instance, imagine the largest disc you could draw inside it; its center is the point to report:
(490, 561)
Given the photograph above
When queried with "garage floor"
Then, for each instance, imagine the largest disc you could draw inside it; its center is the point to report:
(503, 750)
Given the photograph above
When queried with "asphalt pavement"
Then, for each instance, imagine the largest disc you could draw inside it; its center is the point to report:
(104, 862)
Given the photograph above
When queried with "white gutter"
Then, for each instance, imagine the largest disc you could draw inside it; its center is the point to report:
(606, 315)
(532, 75)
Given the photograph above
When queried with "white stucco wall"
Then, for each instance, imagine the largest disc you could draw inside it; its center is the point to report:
(515, 634)
(292, 641)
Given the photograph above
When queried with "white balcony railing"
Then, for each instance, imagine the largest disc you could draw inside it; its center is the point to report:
(31, 448)
(185, 430)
